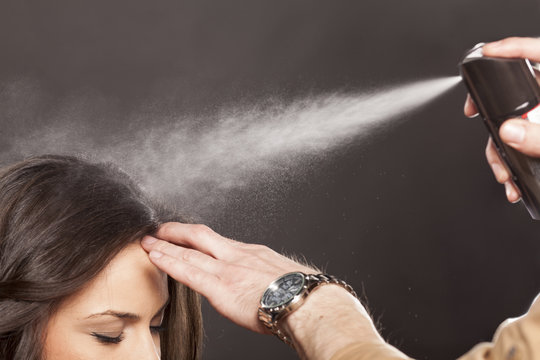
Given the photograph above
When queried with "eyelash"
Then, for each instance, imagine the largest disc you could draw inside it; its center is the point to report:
(115, 340)
(107, 339)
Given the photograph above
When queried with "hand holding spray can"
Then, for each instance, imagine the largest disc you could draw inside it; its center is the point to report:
(503, 89)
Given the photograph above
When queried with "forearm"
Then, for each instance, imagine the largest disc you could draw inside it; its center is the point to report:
(330, 320)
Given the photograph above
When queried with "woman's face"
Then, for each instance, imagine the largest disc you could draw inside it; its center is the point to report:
(116, 316)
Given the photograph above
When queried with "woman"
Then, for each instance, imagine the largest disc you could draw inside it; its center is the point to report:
(74, 280)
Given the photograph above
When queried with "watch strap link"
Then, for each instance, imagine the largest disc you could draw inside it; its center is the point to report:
(322, 279)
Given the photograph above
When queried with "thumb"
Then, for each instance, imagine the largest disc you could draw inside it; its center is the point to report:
(522, 135)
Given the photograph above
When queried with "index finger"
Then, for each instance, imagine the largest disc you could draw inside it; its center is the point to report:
(195, 236)
(514, 47)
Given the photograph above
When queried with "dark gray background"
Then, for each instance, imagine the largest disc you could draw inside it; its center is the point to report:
(413, 216)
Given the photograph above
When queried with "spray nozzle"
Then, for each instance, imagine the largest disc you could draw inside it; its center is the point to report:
(475, 52)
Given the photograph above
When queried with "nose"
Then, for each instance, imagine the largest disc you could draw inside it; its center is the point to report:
(145, 348)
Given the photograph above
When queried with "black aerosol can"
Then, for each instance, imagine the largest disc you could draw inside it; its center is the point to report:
(504, 89)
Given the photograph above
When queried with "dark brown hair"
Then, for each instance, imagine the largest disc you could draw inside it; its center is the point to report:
(62, 220)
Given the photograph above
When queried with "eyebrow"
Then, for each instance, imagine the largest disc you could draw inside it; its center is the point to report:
(127, 315)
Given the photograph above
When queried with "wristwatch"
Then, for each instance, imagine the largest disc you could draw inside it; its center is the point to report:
(286, 294)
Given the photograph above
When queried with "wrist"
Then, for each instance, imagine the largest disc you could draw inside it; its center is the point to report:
(330, 319)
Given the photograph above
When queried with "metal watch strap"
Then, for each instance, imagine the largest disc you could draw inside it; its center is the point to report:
(314, 280)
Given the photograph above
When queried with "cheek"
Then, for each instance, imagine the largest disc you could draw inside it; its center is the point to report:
(82, 347)
(60, 343)
(64, 343)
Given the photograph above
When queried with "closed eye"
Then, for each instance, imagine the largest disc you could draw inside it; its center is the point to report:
(104, 339)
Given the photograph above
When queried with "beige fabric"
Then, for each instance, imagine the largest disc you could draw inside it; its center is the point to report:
(515, 339)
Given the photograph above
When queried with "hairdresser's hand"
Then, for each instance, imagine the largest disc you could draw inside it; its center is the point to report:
(233, 275)
(520, 134)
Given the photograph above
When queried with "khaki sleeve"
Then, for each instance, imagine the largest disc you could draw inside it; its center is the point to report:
(369, 351)
(515, 339)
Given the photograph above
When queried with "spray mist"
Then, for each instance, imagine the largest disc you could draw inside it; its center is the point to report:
(504, 89)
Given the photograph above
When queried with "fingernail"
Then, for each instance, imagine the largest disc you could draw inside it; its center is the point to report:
(512, 133)
(148, 240)
(493, 45)
(155, 254)
(511, 192)
(508, 189)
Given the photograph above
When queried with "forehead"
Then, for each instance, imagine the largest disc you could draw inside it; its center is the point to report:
(129, 283)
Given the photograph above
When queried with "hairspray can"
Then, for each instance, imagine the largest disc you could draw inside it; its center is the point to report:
(502, 89)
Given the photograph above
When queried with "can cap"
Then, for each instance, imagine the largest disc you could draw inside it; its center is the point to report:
(506, 87)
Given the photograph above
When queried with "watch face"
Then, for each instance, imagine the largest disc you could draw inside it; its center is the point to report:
(283, 290)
